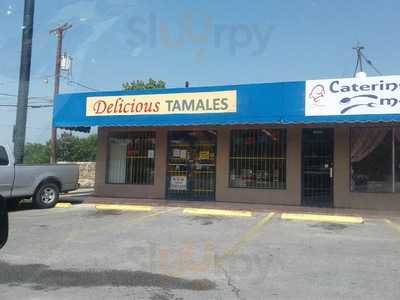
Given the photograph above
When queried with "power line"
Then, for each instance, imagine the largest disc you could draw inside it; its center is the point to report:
(69, 81)
(28, 106)
(30, 98)
(29, 127)
(36, 98)
(48, 97)
(8, 95)
(371, 64)
(82, 85)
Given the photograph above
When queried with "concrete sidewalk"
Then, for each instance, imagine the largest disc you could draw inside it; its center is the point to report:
(234, 206)
(80, 191)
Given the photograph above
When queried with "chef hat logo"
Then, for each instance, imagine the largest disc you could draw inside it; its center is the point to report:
(317, 93)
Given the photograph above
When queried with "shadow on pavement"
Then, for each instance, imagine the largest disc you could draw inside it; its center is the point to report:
(21, 206)
(14, 206)
(41, 277)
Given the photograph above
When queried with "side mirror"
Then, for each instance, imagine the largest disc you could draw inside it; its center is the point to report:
(3, 222)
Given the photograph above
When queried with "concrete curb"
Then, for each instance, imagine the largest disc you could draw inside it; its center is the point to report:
(322, 218)
(63, 205)
(123, 207)
(217, 212)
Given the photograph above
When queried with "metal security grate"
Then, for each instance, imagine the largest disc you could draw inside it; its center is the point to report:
(258, 158)
(131, 158)
(191, 165)
(317, 157)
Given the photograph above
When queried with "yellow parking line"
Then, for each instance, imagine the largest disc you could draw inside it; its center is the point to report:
(393, 225)
(217, 212)
(156, 214)
(322, 218)
(123, 207)
(246, 237)
(63, 205)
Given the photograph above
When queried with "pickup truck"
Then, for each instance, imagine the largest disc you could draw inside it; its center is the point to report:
(43, 183)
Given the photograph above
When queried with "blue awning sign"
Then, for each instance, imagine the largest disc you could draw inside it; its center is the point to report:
(352, 100)
(162, 104)
(353, 96)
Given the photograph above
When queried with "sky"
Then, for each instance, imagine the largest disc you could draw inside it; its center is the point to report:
(204, 42)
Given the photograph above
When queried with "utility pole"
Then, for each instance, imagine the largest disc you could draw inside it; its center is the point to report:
(59, 32)
(24, 79)
(359, 66)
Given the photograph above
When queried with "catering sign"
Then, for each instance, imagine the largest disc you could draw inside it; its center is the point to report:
(353, 96)
(162, 104)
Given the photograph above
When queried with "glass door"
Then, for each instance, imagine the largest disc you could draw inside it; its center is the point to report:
(191, 165)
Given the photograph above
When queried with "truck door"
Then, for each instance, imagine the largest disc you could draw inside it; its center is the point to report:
(6, 173)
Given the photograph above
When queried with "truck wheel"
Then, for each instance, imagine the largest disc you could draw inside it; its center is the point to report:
(46, 196)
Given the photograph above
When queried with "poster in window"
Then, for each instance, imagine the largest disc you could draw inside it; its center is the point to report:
(150, 153)
(178, 183)
(176, 153)
(204, 155)
(183, 154)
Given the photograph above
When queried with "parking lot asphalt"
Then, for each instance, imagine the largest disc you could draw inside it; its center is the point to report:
(80, 252)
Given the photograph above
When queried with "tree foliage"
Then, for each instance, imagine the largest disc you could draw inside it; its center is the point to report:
(141, 85)
(70, 148)
(36, 153)
(73, 148)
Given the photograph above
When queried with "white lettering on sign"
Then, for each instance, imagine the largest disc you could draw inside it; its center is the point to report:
(353, 96)
(162, 104)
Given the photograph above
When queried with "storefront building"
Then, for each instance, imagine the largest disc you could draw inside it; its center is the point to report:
(325, 143)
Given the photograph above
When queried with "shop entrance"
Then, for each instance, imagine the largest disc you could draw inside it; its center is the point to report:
(191, 165)
(317, 167)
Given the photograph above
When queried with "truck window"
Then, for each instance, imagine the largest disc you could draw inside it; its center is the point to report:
(3, 157)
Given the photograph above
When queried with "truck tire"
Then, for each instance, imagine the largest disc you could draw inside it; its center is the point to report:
(46, 196)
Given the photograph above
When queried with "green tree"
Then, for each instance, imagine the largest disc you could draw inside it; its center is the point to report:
(141, 85)
(36, 153)
(73, 148)
(69, 148)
